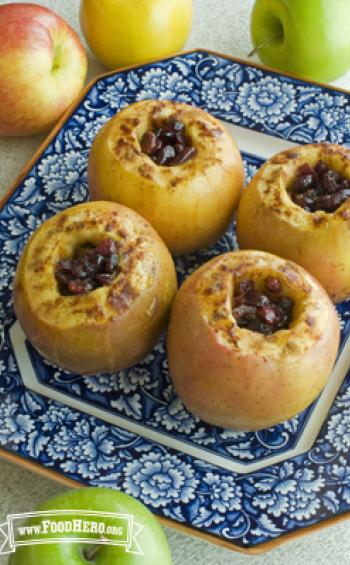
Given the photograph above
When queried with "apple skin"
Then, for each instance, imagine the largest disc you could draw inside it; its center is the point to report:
(268, 219)
(113, 326)
(151, 538)
(42, 68)
(239, 379)
(121, 32)
(316, 39)
(199, 196)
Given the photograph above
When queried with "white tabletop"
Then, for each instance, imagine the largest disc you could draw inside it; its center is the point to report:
(221, 25)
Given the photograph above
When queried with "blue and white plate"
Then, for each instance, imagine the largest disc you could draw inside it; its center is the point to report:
(129, 430)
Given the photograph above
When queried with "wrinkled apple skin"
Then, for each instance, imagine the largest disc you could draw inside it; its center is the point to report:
(125, 32)
(268, 219)
(240, 379)
(42, 68)
(315, 42)
(190, 205)
(112, 327)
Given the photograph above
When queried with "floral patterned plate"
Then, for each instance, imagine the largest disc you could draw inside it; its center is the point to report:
(129, 431)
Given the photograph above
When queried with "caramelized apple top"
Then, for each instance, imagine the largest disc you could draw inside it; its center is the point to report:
(51, 268)
(296, 299)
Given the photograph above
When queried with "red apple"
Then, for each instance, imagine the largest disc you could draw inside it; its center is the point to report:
(42, 68)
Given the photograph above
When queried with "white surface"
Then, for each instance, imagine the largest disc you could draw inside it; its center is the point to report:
(221, 25)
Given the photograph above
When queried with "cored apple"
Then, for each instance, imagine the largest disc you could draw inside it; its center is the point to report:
(252, 340)
(312, 230)
(174, 164)
(93, 288)
(42, 68)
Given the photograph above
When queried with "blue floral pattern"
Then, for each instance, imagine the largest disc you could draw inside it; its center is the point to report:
(248, 508)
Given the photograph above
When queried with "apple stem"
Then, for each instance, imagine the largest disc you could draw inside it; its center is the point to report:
(264, 43)
(90, 552)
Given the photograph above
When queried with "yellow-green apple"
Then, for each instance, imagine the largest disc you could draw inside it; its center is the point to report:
(95, 325)
(42, 68)
(190, 203)
(236, 377)
(309, 38)
(121, 32)
(151, 541)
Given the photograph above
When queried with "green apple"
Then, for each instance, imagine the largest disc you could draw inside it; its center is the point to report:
(151, 540)
(308, 38)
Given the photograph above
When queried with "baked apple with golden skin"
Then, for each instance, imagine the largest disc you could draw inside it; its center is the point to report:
(114, 320)
(231, 362)
(174, 164)
(298, 206)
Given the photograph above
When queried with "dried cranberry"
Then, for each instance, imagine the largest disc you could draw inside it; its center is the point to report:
(149, 142)
(245, 285)
(273, 285)
(245, 312)
(106, 247)
(168, 145)
(330, 181)
(77, 286)
(165, 154)
(319, 188)
(89, 268)
(286, 303)
(267, 314)
(256, 298)
(259, 312)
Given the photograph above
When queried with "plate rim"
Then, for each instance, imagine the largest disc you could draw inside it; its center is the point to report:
(61, 478)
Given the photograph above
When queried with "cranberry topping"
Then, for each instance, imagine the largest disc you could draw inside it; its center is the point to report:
(168, 145)
(262, 312)
(319, 188)
(91, 267)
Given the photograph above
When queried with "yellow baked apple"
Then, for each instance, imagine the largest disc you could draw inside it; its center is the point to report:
(298, 206)
(174, 164)
(93, 288)
(252, 340)
(125, 32)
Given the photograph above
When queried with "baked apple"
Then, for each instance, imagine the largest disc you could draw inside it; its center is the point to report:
(93, 288)
(174, 164)
(298, 206)
(252, 340)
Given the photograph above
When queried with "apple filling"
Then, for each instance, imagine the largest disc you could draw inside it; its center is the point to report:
(168, 145)
(319, 188)
(264, 312)
(91, 266)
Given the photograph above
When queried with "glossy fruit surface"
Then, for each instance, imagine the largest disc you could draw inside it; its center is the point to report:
(42, 68)
(124, 32)
(312, 36)
(151, 540)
